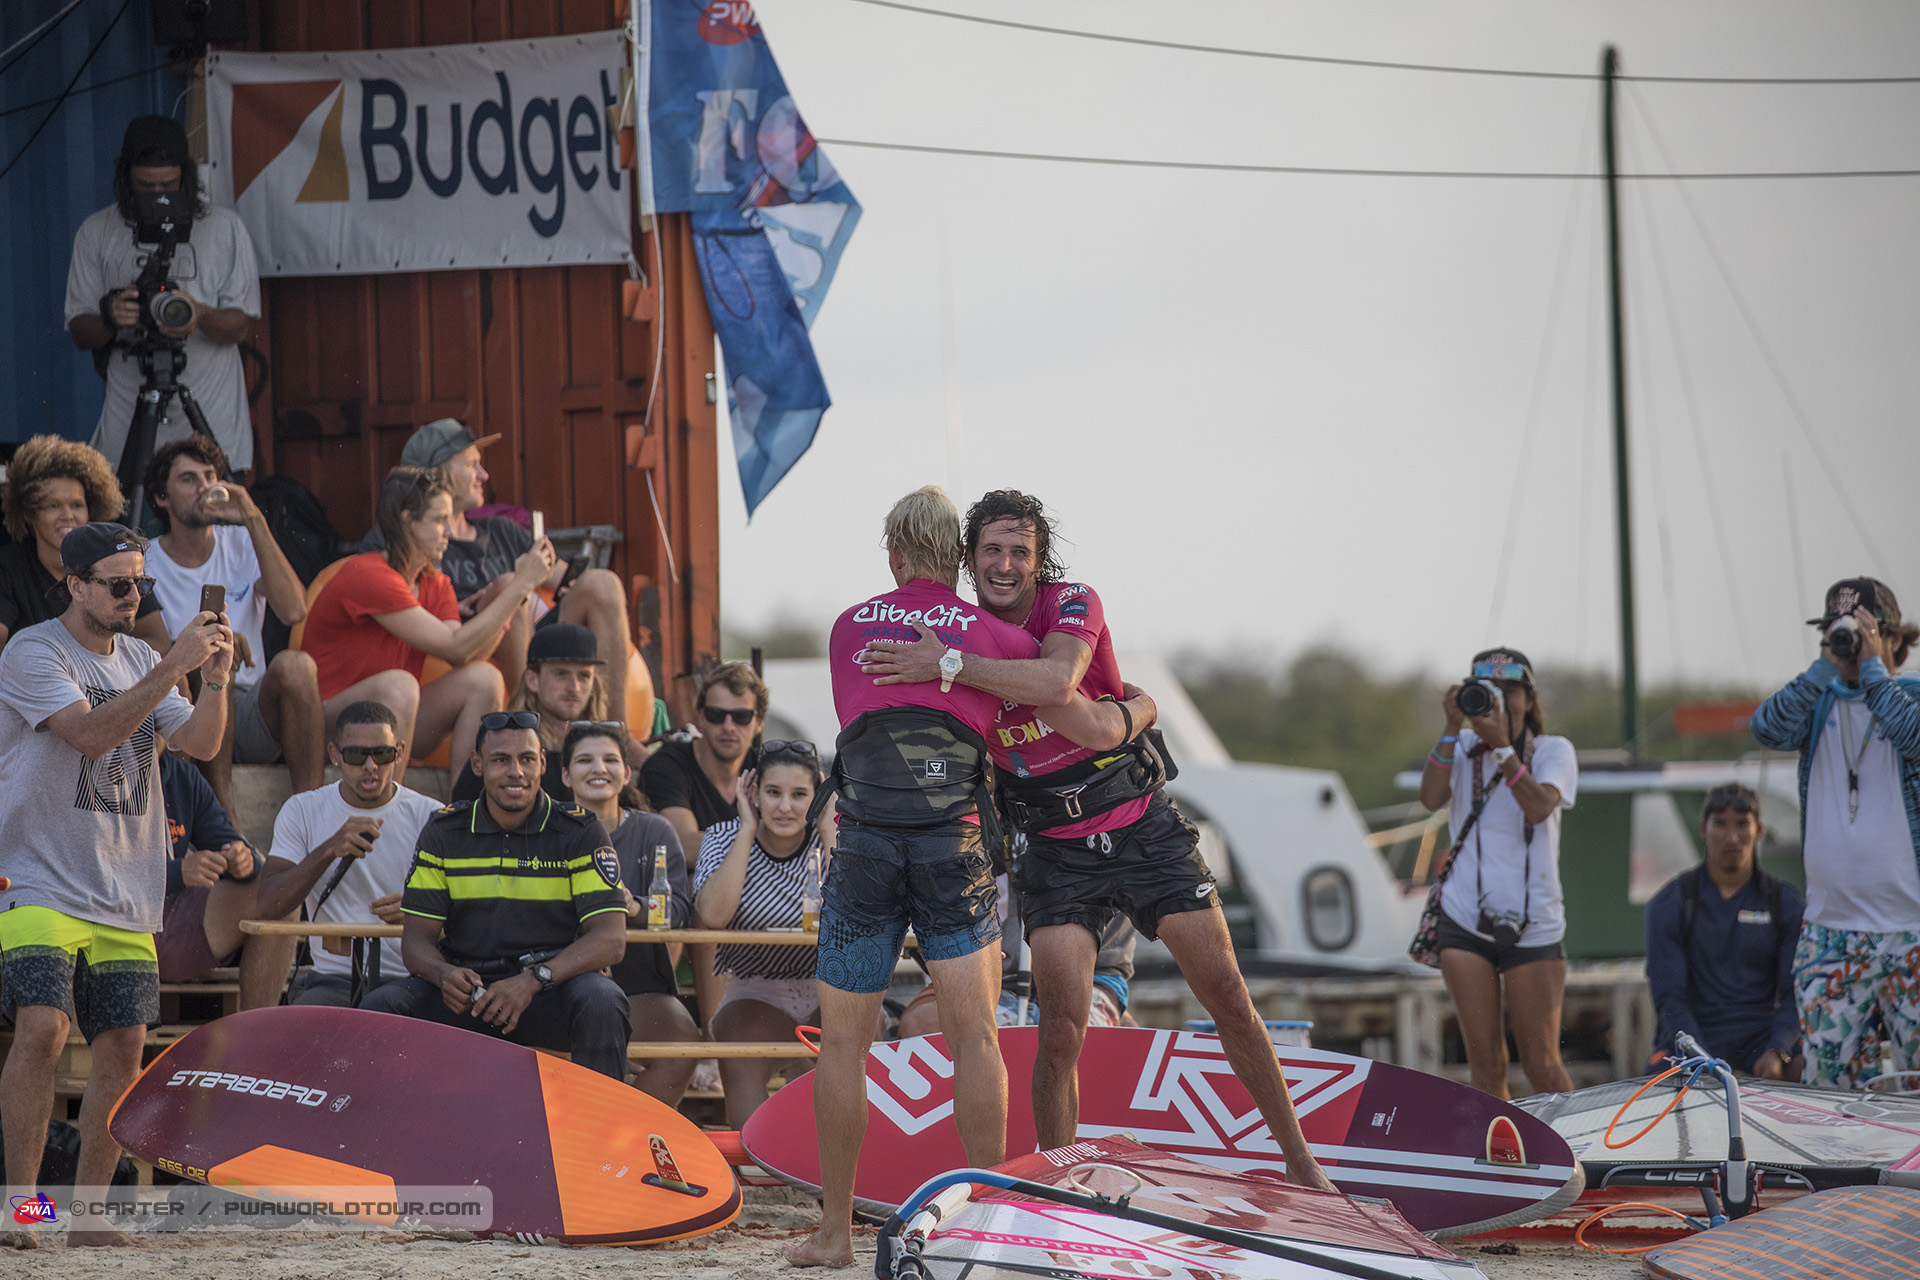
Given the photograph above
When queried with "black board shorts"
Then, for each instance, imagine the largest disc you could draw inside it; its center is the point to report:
(938, 879)
(1149, 870)
(1456, 937)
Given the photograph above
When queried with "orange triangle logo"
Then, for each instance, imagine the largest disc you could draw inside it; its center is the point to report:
(267, 116)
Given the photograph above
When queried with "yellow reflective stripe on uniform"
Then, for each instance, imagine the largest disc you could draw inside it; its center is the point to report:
(424, 915)
(602, 911)
(472, 888)
(428, 873)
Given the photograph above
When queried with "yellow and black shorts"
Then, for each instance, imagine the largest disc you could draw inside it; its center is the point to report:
(99, 976)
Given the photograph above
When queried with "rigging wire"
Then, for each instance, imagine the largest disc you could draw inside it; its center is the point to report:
(67, 92)
(1773, 364)
(82, 92)
(25, 44)
(1268, 55)
(1334, 171)
(1531, 430)
(1734, 601)
(1641, 340)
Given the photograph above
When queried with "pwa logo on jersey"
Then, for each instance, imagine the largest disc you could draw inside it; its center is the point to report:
(33, 1210)
(488, 147)
(725, 22)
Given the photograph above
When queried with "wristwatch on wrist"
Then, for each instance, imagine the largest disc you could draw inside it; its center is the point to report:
(949, 669)
(1501, 755)
(543, 975)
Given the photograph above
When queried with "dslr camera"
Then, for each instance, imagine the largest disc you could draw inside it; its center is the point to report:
(166, 222)
(1479, 698)
(1843, 639)
(1504, 927)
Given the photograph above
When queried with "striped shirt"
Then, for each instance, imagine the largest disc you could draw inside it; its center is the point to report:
(769, 899)
(505, 894)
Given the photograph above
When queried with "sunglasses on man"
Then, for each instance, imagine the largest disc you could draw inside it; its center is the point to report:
(1738, 799)
(494, 721)
(360, 755)
(1499, 671)
(742, 716)
(121, 588)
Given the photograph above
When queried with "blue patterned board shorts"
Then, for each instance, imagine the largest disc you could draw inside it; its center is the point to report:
(939, 879)
(1856, 992)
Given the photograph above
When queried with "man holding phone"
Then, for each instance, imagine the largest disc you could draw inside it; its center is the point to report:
(481, 551)
(217, 554)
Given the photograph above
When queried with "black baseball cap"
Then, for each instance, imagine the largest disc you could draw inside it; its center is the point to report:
(1844, 596)
(86, 546)
(562, 642)
(155, 140)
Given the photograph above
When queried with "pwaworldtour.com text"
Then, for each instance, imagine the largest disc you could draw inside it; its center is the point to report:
(190, 1206)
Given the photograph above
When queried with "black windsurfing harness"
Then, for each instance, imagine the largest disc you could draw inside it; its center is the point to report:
(1090, 788)
(912, 767)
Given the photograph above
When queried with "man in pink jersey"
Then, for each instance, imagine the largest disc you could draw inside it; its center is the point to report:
(1101, 834)
(917, 829)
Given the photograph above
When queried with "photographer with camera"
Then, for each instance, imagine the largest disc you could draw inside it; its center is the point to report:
(200, 308)
(1856, 726)
(1502, 919)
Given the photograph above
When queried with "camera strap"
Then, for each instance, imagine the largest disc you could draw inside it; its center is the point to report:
(1483, 794)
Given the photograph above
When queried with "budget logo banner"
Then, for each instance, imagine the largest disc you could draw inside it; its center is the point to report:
(770, 219)
(486, 155)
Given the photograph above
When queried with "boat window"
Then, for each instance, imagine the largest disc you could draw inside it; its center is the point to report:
(1326, 896)
(1662, 846)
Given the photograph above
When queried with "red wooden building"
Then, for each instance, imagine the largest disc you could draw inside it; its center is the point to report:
(545, 356)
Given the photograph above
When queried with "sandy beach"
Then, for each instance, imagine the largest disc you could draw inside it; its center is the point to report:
(754, 1245)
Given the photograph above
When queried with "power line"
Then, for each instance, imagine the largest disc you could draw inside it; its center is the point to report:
(1134, 163)
(98, 84)
(66, 92)
(25, 44)
(1268, 55)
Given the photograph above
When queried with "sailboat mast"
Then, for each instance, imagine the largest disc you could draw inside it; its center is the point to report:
(1623, 504)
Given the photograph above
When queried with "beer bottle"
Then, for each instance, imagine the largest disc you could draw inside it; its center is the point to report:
(659, 893)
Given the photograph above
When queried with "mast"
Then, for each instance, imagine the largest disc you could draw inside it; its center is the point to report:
(1623, 504)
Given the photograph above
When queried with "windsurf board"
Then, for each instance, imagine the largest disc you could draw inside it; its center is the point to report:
(275, 1099)
(1451, 1159)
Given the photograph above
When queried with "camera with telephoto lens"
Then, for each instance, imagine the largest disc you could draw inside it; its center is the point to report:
(1843, 639)
(1504, 927)
(166, 222)
(1478, 698)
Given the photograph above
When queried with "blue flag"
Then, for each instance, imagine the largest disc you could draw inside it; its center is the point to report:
(770, 220)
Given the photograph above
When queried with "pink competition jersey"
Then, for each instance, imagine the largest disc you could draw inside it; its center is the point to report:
(1023, 743)
(960, 625)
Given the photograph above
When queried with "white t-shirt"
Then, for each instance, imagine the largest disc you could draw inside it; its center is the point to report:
(1861, 873)
(216, 266)
(309, 819)
(232, 565)
(1499, 839)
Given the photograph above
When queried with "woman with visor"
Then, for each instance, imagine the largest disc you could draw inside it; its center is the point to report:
(1503, 922)
(755, 872)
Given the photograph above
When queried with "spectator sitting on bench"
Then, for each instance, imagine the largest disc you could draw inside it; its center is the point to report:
(753, 872)
(373, 626)
(361, 830)
(595, 756)
(212, 879)
(481, 554)
(1720, 942)
(54, 486)
(562, 683)
(275, 714)
(531, 912)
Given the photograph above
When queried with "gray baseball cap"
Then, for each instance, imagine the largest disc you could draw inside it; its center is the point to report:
(439, 440)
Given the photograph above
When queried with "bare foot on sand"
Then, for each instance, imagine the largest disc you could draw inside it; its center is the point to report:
(106, 1238)
(823, 1248)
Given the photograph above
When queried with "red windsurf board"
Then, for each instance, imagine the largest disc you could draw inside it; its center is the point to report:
(1451, 1159)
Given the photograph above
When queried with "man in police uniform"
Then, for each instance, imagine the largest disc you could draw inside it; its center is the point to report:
(527, 890)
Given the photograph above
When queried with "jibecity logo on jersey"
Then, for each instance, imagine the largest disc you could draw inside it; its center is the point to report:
(404, 140)
(948, 616)
(31, 1211)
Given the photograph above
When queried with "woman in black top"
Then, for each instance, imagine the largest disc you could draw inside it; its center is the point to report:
(752, 874)
(597, 770)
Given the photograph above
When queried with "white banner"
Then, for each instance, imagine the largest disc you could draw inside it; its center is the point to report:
(483, 155)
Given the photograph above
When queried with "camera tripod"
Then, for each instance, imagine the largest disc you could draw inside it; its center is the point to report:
(162, 359)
